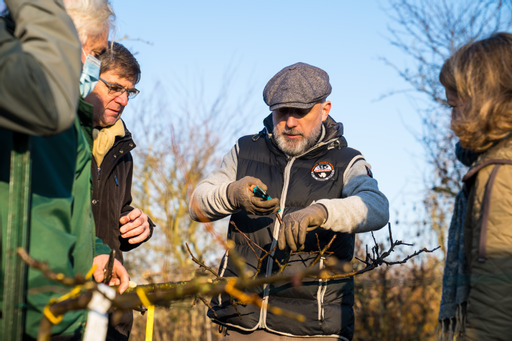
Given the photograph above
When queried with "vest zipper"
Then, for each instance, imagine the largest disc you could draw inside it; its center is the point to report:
(222, 271)
(275, 235)
(322, 287)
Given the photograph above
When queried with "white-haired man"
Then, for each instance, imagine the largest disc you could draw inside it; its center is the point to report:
(43, 91)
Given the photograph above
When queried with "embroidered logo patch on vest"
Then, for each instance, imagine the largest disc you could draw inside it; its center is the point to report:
(322, 171)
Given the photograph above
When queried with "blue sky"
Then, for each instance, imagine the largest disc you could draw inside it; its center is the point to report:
(184, 41)
(345, 38)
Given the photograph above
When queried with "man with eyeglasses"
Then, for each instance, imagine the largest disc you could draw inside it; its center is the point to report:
(118, 224)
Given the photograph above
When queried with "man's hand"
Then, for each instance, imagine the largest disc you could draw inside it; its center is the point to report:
(135, 224)
(296, 224)
(241, 196)
(119, 274)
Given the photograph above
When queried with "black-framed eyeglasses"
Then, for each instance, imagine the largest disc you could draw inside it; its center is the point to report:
(117, 90)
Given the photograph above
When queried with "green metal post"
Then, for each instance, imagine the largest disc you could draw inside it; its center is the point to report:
(18, 221)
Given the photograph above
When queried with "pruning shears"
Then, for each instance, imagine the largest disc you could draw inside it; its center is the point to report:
(262, 194)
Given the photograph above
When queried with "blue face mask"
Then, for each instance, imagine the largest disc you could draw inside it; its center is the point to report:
(90, 75)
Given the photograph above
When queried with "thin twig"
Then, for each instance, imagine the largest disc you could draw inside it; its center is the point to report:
(323, 251)
(201, 264)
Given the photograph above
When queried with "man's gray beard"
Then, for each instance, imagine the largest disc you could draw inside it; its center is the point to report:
(293, 149)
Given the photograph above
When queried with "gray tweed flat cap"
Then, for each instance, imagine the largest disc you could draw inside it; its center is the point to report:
(297, 86)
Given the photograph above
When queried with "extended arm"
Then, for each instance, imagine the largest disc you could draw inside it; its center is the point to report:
(39, 68)
(363, 207)
(209, 199)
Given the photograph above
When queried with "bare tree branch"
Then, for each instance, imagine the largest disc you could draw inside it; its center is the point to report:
(201, 286)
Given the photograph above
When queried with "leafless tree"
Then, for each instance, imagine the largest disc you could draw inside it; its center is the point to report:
(428, 32)
(181, 130)
(205, 283)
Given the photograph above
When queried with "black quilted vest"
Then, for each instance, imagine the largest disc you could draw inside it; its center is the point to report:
(327, 305)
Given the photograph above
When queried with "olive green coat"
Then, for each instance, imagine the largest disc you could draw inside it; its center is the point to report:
(488, 243)
(39, 67)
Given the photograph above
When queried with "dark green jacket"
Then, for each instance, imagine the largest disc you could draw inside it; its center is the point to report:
(39, 77)
(62, 230)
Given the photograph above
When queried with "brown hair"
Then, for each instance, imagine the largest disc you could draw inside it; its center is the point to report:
(119, 58)
(480, 73)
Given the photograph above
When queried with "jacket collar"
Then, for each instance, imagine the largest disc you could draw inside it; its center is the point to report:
(85, 112)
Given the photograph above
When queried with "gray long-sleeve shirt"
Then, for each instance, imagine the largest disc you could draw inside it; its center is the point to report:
(361, 208)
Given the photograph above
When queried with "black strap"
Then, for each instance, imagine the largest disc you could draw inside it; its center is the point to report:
(487, 198)
(472, 172)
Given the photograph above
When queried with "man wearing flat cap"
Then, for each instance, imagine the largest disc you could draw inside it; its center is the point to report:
(325, 193)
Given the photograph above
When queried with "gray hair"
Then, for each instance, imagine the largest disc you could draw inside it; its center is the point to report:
(119, 58)
(91, 17)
